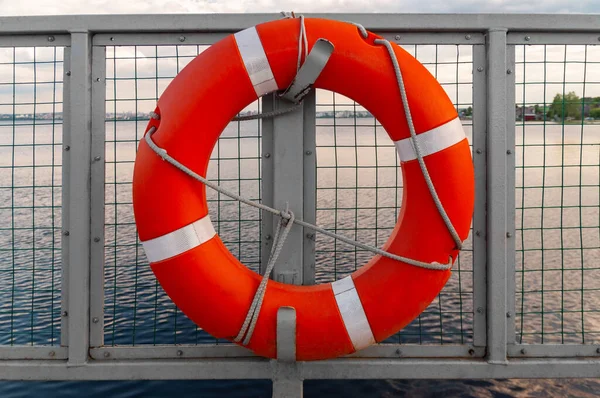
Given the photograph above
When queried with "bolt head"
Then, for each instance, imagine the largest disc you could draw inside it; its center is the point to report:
(106, 354)
(527, 38)
(477, 233)
(67, 148)
(480, 69)
(179, 353)
(468, 37)
(598, 349)
(64, 313)
(51, 353)
(398, 352)
(478, 151)
(51, 38)
(182, 38)
(508, 315)
(66, 233)
(397, 37)
(508, 151)
(523, 351)
(308, 153)
(68, 73)
(112, 39)
(95, 319)
(268, 237)
(97, 158)
(508, 235)
(96, 239)
(508, 71)
(480, 310)
(471, 351)
(267, 155)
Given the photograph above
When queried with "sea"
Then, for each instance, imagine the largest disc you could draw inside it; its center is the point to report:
(359, 191)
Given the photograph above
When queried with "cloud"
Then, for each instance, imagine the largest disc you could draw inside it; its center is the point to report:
(47, 7)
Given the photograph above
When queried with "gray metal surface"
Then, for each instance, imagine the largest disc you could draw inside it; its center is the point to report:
(510, 193)
(66, 210)
(35, 40)
(309, 187)
(96, 318)
(77, 231)
(479, 216)
(496, 196)
(282, 170)
(258, 368)
(286, 159)
(235, 22)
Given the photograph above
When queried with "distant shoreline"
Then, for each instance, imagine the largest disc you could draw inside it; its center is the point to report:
(144, 118)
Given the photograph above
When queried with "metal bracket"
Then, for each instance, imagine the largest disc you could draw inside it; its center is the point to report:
(310, 71)
(286, 380)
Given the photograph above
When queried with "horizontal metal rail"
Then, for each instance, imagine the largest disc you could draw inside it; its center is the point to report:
(233, 22)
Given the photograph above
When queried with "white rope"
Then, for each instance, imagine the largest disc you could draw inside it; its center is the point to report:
(415, 142)
(288, 218)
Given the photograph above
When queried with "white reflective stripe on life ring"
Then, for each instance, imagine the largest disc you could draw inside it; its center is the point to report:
(432, 141)
(179, 241)
(256, 62)
(353, 313)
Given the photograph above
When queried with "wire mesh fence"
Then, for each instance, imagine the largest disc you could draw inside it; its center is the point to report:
(359, 191)
(137, 311)
(558, 193)
(31, 88)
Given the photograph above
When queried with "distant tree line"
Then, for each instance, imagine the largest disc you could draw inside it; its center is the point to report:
(563, 107)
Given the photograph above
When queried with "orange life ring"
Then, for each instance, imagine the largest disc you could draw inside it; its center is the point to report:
(191, 262)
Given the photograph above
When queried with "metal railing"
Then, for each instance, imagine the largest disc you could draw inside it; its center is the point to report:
(78, 300)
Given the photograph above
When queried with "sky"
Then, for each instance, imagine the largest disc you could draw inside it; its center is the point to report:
(52, 7)
(146, 63)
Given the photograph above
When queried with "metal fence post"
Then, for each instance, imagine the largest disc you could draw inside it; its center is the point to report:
(310, 186)
(510, 193)
(97, 179)
(284, 161)
(77, 230)
(479, 216)
(497, 232)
